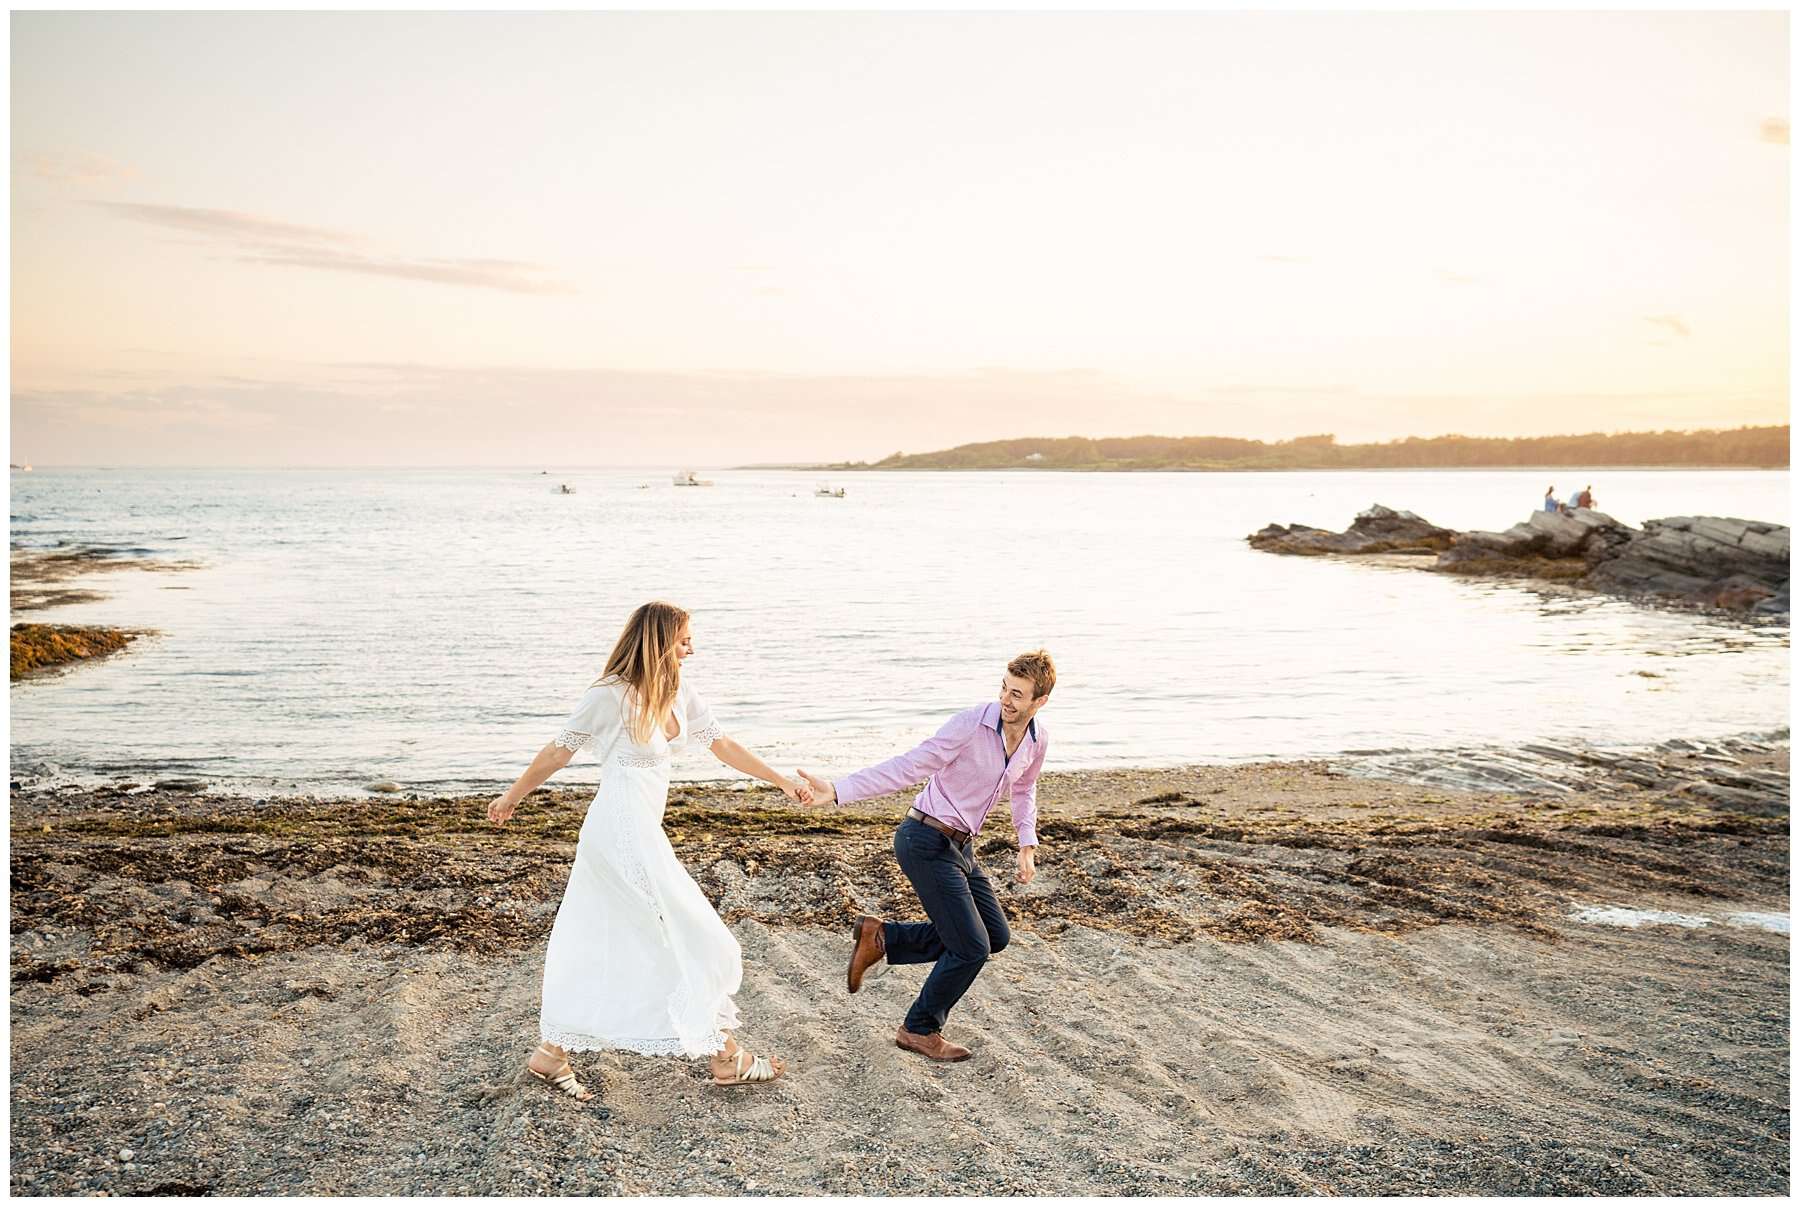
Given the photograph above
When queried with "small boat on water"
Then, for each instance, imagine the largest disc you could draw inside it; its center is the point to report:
(826, 492)
(686, 478)
(565, 489)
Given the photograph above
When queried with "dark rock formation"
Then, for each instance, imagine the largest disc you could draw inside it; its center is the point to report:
(1726, 563)
(1592, 536)
(1377, 530)
(1548, 545)
(1711, 561)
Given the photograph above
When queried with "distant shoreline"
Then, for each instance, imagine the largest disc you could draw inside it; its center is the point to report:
(838, 467)
(1741, 447)
(1225, 469)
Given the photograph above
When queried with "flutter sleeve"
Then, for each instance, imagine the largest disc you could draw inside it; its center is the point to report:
(595, 722)
(703, 728)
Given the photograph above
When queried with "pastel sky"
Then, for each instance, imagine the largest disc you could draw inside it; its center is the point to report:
(708, 239)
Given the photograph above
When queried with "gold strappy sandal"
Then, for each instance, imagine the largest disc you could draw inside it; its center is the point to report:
(563, 1079)
(758, 1070)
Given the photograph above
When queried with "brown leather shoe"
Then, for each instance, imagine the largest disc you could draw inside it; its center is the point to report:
(870, 948)
(934, 1045)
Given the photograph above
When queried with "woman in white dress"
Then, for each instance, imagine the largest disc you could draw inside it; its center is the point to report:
(638, 959)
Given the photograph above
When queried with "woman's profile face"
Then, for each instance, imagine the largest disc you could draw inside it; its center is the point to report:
(684, 642)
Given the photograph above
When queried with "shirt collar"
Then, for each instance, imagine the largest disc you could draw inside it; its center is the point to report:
(1000, 725)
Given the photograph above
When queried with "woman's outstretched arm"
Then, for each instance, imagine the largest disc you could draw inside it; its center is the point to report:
(733, 755)
(551, 759)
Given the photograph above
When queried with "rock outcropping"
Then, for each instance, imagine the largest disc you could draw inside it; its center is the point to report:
(1591, 536)
(1727, 563)
(1709, 561)
(1377, 530)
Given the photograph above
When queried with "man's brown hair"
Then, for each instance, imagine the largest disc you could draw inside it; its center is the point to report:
(1037, 667)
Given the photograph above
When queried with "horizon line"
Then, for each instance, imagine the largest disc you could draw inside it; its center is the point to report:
(870, 466)
(843, 463)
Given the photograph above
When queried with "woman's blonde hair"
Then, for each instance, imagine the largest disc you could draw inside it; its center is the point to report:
(644, 660)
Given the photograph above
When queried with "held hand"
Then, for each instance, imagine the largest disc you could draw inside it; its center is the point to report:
(823, 792)
(1027, 864)
(795, 792)
(500, 810)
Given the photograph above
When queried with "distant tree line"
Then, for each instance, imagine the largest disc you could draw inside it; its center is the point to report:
(1757, 447)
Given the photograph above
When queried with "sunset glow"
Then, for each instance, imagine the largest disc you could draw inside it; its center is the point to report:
(349, 239)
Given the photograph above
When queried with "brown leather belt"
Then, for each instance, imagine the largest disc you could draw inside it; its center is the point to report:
(934, 823)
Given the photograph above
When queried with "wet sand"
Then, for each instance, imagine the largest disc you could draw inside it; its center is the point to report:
(1271, 979)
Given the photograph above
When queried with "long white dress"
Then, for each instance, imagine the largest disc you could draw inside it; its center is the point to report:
(638, 959)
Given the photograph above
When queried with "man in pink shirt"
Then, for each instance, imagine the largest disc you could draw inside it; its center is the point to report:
(980, 755)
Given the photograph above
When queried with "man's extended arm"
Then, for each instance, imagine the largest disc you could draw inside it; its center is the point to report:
(905, 770)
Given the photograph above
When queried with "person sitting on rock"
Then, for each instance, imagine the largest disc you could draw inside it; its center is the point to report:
(1551, 502)
(1586, 497)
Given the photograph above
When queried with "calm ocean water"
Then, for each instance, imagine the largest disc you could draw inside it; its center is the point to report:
(434, 626)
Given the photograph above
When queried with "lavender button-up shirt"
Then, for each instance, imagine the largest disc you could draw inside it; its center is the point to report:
(968, 773)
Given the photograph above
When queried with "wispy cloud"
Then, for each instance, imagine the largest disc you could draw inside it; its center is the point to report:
(487, 274)
(223, 224)
(260, 240)
(1775, 130)
(80, 167)
(1446, 276)
(1670, 323)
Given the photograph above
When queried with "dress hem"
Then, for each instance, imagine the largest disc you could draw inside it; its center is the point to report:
(579, 1041)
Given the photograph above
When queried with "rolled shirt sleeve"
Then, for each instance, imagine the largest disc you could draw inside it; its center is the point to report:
(919, 763)
(1024, 795)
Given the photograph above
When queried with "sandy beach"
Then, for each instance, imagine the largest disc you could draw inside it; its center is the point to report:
(1275, 979)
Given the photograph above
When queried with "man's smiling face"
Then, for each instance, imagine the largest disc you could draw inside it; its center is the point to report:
(1017, 706)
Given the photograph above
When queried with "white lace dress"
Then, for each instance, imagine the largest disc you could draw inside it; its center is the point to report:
(638, 959)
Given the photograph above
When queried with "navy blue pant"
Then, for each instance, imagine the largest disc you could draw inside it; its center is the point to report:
(966, 927)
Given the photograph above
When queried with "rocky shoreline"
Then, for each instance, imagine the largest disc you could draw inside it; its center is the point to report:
(1281, 978)
(1737, 567)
